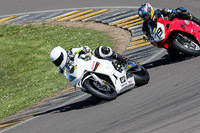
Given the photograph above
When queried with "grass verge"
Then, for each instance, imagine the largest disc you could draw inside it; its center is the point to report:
(27, 74)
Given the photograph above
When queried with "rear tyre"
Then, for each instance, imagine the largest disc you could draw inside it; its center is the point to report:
(141, 77)
(186, 45)
(106, 92)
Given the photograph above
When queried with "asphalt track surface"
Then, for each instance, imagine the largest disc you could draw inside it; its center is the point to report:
(20, 6)
(170, 103)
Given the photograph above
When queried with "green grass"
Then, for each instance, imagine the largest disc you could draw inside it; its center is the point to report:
(27, 74)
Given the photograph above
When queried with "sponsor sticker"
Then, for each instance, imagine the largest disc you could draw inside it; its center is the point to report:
(129, 66)
(124, 84)
(92, 65)
(187, 22)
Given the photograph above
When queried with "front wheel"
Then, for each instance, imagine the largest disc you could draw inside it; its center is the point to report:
(186, 45)
(105, 92)
(141, 75)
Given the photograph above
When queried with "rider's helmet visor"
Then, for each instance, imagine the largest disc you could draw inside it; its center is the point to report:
(59, 60)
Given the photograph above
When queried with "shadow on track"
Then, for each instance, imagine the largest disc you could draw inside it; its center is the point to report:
(93, 101)
(88, 102)
(165, 60)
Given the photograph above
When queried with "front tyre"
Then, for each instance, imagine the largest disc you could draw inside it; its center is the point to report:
(106, 92)
(186, 45)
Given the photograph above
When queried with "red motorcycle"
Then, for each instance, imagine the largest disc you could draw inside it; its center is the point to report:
(177, 36)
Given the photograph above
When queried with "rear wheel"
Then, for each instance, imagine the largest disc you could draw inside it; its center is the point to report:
(186, 45)
(105, 92)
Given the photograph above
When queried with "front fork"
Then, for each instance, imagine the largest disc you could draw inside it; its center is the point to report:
(97, 79)
(92, 76)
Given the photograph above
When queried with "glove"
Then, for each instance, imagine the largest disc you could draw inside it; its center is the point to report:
(145, 38)
(86, 49)
(172, 14)
(88, 55)
(84, 56)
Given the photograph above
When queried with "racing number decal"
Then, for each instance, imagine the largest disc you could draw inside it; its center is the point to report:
(123, 79)
(159, 33)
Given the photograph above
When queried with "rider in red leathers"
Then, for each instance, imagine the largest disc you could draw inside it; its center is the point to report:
(150, 17)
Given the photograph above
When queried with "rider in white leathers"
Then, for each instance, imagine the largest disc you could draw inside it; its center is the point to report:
(64, 59)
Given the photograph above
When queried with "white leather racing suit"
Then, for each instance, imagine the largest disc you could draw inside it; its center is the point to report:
(100, 52)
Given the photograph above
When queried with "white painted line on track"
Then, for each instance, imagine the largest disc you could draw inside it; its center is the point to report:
(64, 104)
(154, 56)
(18, 124)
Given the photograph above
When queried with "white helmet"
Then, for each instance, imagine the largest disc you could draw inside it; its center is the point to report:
(59, 57)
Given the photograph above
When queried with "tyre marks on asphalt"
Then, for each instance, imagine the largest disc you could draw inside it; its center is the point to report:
(125, 18)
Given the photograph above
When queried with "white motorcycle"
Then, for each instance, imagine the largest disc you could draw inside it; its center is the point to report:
(104, 78)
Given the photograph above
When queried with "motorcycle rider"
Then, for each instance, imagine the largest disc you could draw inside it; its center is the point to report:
(150, 16)
(64, 59)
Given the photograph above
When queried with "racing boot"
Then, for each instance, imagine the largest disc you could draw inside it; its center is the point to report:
(196, 20)
(120, 58)
(189, 16)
